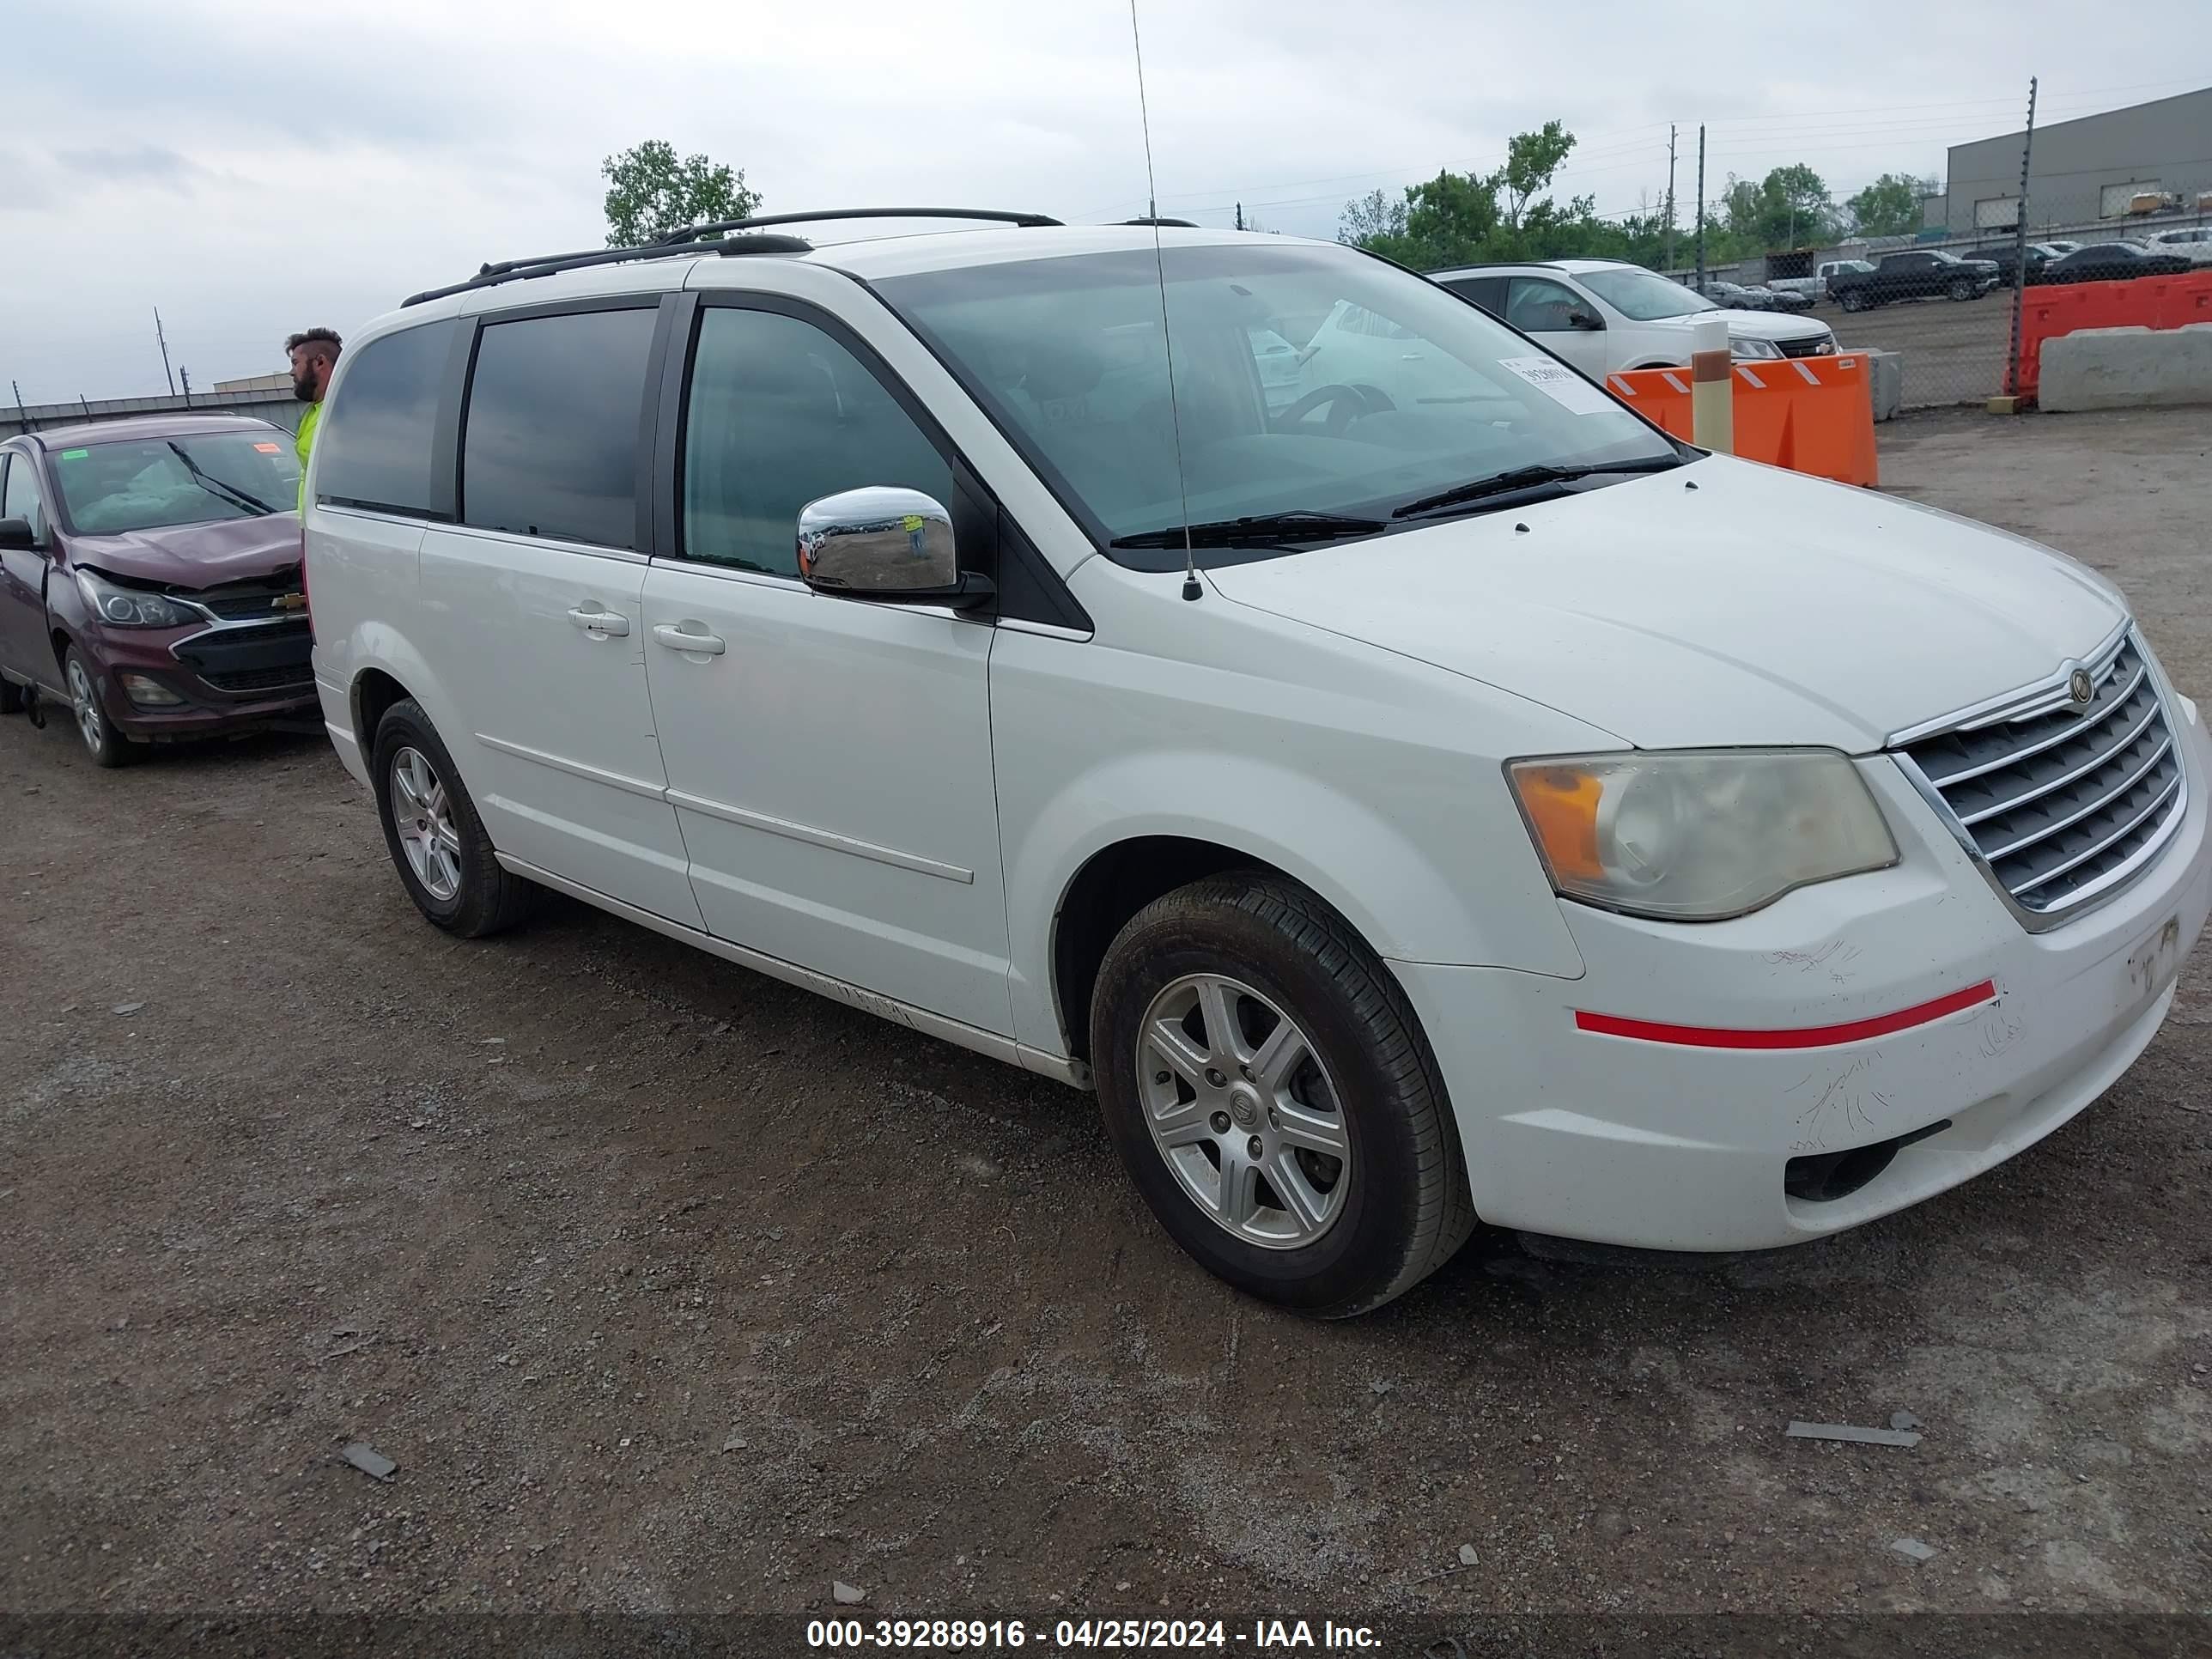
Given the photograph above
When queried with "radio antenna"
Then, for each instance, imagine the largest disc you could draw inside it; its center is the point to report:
(1191, 589)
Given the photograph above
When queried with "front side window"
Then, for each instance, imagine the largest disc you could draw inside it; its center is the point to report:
(372, 446)
(549, 447)
(21, 498)
(124, 485)
(779, 415)
(1641, 297)
(1536, 305)
(1423, 393)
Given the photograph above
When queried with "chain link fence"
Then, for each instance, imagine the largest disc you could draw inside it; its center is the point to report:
(1944, 301)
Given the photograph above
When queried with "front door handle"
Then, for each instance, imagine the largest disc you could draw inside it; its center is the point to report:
(676, 639)
(600, 621)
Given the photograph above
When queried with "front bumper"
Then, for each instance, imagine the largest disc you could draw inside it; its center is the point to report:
(225, 679)
(1663, 1139)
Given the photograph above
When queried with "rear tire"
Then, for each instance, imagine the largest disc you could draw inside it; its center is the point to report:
(103, 745)
(1249, 979)
(438, 844)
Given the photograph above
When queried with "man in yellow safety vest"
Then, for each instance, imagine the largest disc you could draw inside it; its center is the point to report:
(314, 357)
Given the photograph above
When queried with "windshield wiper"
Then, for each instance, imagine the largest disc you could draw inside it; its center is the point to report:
(217, 487)
(1526, 477)
(1263, 528)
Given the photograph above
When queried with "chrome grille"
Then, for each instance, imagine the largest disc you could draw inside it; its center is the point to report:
(2061, 798)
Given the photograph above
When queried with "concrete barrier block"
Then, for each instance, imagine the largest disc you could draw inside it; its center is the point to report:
(1886, 382)
(2127, 368)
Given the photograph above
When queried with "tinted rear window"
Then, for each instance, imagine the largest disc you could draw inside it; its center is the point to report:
(550, 443)
(373, 447)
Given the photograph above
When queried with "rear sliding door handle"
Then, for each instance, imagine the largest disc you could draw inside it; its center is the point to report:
(676, 639)
(600, 621)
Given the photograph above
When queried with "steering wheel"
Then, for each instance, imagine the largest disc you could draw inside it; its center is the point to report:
(1346, 404)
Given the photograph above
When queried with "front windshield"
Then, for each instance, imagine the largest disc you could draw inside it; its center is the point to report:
(1392, 389)
(124, 484)
(1641, 297)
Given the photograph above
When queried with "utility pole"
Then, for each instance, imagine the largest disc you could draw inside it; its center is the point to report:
(1240, 215)
(185, 374)
(1668, 261)
(1701, 208)
(2018, 247)
(163, 338)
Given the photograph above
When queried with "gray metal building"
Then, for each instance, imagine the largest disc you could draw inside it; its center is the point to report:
(2085, 171)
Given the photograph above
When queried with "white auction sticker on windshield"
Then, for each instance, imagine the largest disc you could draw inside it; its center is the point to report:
(1560, 383)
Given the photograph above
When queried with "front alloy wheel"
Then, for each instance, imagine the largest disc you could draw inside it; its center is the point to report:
(1273, 1097)
(1242, 1111)
(107, 747)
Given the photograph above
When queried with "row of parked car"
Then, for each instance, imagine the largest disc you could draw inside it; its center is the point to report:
(1401, 782)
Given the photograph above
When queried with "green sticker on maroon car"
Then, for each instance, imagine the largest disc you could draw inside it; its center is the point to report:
(75, 454)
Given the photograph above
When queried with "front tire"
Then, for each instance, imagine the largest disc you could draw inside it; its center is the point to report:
(1273, 1097)
(105, 746)
(1852, 300)
(1964, 289)
(438, 844)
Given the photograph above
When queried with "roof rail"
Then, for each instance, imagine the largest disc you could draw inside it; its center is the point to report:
(511, 271)
(700, 239)
(1174, 224)
(993, 215)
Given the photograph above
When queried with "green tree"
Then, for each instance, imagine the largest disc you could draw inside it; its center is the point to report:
(1367, 218)
(1789, 208)
(1890, 206)
(650, 192)
(1532, 159)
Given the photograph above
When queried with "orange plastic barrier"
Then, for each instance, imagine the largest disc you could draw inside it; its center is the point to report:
(2069, 308)
(1810, 414)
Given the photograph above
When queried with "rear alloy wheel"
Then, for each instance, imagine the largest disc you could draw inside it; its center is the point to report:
(438, 844)
(1273, 1099)
(107, 747)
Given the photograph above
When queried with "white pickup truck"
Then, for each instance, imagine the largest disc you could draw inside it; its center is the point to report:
(1816, 287)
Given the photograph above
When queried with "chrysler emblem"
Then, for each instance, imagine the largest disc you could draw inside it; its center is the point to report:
(2080, 687)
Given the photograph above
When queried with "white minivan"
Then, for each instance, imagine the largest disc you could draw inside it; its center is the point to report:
(1429, 798)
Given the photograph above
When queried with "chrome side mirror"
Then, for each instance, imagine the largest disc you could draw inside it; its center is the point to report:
(886, 543)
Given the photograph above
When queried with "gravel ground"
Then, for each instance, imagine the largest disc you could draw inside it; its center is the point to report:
(1956, 351)
(672, 1288)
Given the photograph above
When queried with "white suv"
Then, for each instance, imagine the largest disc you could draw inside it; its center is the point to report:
(1512, 813)
(1603, 316)
(2192, 242)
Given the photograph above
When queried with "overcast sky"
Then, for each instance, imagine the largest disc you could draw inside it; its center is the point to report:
(254, 167)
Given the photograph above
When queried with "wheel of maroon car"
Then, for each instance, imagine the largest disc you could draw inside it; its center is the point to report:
(106, 745)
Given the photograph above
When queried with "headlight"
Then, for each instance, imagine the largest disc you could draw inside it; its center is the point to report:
(131, 607)
(1742, 345)
(1699, 835)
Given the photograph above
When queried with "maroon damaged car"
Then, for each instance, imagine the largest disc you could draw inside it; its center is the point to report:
(152, 579)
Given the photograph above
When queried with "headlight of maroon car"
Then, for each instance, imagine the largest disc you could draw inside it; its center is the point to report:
(130, 607)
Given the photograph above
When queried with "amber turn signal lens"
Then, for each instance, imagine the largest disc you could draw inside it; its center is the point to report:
(1562, 808)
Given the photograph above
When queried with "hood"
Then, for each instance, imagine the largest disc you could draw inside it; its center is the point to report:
(1761, 608)
(1758, 324)
(196, 555)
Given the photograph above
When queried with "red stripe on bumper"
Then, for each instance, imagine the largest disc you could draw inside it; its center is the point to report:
(1804, 1037)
